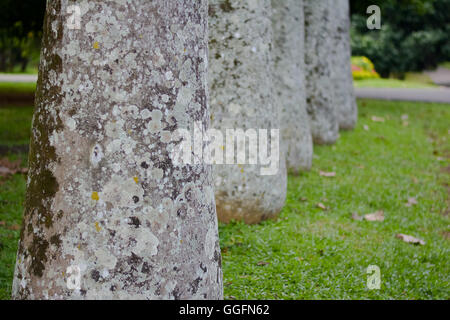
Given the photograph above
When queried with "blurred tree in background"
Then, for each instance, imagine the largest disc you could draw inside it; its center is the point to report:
(21, 24)
(415, 34)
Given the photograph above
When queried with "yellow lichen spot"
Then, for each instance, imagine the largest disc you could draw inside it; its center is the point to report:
(222, 147)
(242, 167)
(181, 241)
(97, 227)
(136, 179)
(79, 246)
(96, 45)
(184, 49)
(95, 196)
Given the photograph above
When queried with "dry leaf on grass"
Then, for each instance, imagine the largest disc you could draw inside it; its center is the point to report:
(327, 174)
(321, 206)
(366, 127)
(409, 239)
(10, 167)
(262, 263)
(411, 202)
(356, 216)
(14, 227)
(377, 119)
(375, 216)
(405, 117)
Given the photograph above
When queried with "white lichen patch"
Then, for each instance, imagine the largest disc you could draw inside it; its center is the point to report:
(122, 192)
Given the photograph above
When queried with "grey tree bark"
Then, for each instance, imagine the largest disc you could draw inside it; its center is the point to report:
(321, 105)
(289, 83)
(241, 90)
(107, 213)
(341, 72)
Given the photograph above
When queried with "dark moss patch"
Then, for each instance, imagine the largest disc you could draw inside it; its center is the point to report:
(56, 240)
(226, 6)
(38, 249)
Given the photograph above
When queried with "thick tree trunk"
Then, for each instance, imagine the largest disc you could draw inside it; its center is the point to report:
(347, 110)
(241, 89)
(319, 85)
(108, 215)
(289, 83)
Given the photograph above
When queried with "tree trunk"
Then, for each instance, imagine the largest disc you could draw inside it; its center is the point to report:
(241, 89)
(319, 85)
(341, 73)
(289, 83)
(108, 215)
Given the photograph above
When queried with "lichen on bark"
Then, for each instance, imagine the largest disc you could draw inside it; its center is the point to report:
(321, 104)
(103, 195)
(242, 97)
(289, 83)
(347, 110)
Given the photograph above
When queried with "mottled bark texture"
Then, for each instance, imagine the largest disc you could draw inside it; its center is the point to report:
(319, 43)
(103, 196)
(289, 83)
(241, 91)
(341, 74)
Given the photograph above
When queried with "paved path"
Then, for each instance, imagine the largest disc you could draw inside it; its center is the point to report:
(440, 76)
(440, 94)
(5, 77)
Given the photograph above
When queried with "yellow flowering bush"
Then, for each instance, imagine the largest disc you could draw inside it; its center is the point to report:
(363, 68)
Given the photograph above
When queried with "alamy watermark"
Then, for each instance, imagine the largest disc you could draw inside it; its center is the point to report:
(374, 20)
(252, 146)
(373, 277)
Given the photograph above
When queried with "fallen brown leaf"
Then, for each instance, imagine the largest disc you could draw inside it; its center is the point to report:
(409, 239)
(375, 216)
(356, 216)
(327, 174)
(262, 263)
(8, 167)
(411, 201)
(14, 227)
(321, 206)
(377, 119)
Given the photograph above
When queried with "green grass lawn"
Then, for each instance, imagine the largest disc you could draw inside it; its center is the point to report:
(17, 87)
(310, 253)
(413, 82)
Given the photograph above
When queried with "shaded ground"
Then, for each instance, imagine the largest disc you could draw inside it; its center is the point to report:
(17, 93)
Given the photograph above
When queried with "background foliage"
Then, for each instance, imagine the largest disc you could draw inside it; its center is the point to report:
(20, 33)
(415, 34)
